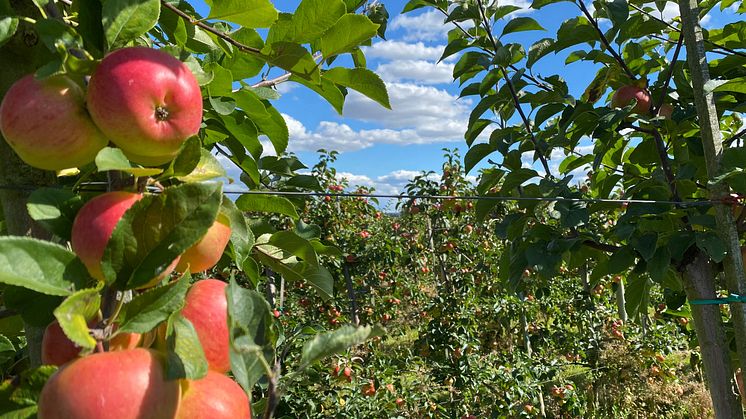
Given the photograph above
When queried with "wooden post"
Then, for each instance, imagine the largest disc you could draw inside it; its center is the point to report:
(713, 146)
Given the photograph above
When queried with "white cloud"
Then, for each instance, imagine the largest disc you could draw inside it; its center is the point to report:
(426, 26)
(423, 72)
(397, 50)
(421, 115)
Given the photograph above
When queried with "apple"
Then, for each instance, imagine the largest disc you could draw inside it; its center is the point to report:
(147, 102)
(215, 396)
(206, 306)
(58, 349)
(208, 251)
(665, 111)
(94, 225)
(45, 122)
(625, 94)
(122, 384)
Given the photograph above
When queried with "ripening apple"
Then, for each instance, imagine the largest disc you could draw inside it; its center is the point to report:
(215, 396)
(121, 384)
(665, 111)
(147, 102)
(206, 306)
(58, 349)
(207, 252)
(45, 122)
(626, 94)
(94, 225)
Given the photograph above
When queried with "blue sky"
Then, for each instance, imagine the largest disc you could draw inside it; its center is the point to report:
(385, 149)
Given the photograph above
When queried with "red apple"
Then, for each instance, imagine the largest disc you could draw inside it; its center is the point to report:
(666, 110)
(207, 308)
(94, 225)
(208, 251)
(215, 397)
(46, 123)
(122, 384)
(56, 348)
(625, 94)
(147, 102)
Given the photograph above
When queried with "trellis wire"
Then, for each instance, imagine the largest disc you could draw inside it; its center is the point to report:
(704, 202)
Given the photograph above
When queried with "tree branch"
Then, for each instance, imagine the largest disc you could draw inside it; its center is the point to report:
(208, 28)
(513, 93)
(605, 41)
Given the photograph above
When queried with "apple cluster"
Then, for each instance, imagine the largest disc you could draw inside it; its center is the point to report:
(128, 380)
(147, 103)
(141, 99)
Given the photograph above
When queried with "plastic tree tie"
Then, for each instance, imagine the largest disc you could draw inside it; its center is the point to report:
(732, 298)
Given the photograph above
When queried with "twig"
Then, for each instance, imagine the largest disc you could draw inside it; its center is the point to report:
(208, 28)
(670, 26)
(605, 41)
(664, 91)
(735, 137)
(513, 93)
(538, 83)
(283, 78)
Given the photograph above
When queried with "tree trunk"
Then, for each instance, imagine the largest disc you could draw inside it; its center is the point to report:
(22, 54)
(713, 146)
(699, 284)
(621, 301)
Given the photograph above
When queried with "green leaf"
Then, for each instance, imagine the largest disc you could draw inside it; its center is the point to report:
(55, 209)
(7, 350)
(711, 244)
(517, 178)
(617, 10)
(521, 24)
(110, 158)
(35, 308)
(575, 31)
(243, 65)
(156, 230)
(152, 307)
(311, 19)
(126, 20)
(185, 357)
(476, 153)
(247, 13)
(327, 89)
(249, 321)
(362, 80)
(266, 203)
(242, 238)
(347, 33)
(40, 266)
(75, 312)
(538, 4)
(8, 27)
(327, 344)
(207, 168)
(293, 58)
(269, 121)
(295, 245)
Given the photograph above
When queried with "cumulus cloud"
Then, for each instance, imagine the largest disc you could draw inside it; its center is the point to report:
(421, 115)
(419, 71)
(426, 26)
(398, 50)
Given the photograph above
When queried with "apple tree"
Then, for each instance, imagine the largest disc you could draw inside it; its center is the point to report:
(659, 126)
(122, 255)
